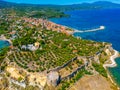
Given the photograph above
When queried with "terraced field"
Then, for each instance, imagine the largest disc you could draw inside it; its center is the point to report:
(33, 62)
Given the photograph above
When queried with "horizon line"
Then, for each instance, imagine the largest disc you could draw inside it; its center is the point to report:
(58, 4)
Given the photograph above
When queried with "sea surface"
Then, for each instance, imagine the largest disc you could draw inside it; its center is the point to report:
(91, 19)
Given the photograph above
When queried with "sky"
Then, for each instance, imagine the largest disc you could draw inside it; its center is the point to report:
(61, 2)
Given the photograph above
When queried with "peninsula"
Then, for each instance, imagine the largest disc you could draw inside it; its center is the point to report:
(46, 56)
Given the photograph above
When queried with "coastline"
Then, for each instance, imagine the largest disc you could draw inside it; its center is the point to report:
(112, 79)
(74, 30)
(113, 64)
(2, 37)
(112, 59)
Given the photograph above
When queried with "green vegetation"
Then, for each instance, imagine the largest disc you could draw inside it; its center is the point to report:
(35, 11)
(103, 57)
(3, 53)
(3, 25)
(55, 49)
(99, 68)
(21, 25)
(23, 41)
(50, 13)
(20, 79)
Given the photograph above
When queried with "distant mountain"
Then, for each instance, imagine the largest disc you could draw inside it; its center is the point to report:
(95, 5)
(4, 4)
(98, 4)
(106, 4)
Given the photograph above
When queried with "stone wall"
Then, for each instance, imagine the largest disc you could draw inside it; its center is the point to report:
(64, 65)
(75, 72)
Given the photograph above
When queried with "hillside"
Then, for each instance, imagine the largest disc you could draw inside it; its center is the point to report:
(51, 11)
(98, 4)
(45, 55)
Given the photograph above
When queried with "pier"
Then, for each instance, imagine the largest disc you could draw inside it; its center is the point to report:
(92, 30)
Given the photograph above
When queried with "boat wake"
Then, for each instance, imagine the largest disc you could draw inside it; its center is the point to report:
(92, 30)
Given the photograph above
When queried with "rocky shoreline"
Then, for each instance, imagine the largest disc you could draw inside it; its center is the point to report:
(112, 59)
(111, 65)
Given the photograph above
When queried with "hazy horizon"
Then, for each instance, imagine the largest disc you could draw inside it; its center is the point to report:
(62, 2)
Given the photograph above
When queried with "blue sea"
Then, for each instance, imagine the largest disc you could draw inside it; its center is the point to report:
(91, 19)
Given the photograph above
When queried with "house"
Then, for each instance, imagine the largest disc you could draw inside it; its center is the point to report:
(75, 51)
(24, 47)
(12, 33)
(31, 47)
(13, 37)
